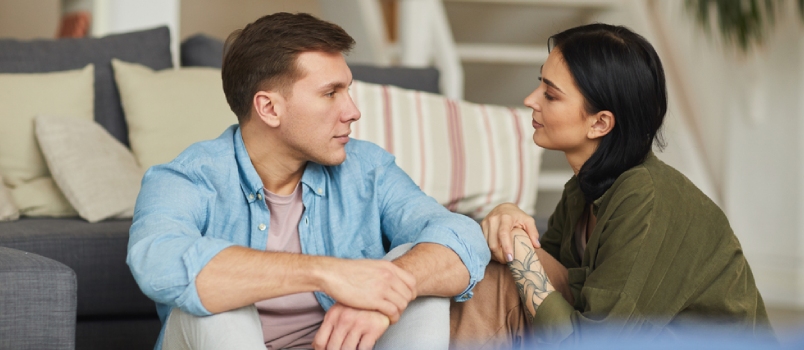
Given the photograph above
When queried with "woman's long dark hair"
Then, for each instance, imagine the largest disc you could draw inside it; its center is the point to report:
(616, 70)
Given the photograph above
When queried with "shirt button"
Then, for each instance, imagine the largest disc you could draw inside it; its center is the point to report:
(306, 220)
(320, 191)
(261, 227)
(251, 196)
(259, 196)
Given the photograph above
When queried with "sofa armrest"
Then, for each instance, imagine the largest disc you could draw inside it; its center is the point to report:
(38, 308)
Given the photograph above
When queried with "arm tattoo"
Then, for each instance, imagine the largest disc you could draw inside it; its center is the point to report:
(529, 276)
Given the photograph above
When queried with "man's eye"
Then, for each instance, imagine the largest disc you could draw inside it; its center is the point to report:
(330, 94)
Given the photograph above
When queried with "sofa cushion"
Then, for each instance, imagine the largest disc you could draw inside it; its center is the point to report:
(66, 94)
(97, 254)
(149, 47)
(98, 175)
(469, 157)
(422, 79)
(201, 51)
(8, 210)
(169, 110)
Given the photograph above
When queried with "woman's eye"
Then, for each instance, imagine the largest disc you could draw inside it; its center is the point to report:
(548, 97)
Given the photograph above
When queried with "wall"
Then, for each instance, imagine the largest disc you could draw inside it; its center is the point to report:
(218, 18)
(27, 19)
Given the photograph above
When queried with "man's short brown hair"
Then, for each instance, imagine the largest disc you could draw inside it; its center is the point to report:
(262, 56)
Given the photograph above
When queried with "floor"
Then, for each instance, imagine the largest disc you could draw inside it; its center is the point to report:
(788, 323)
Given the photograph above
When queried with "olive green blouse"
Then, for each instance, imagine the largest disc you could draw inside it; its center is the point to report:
(661, 261)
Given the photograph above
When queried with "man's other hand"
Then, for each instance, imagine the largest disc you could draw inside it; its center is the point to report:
(371, 285)
(345, 327)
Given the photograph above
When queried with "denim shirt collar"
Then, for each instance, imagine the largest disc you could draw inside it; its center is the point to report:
(314, 177)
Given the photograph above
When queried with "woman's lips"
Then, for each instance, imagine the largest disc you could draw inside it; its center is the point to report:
(536, 125)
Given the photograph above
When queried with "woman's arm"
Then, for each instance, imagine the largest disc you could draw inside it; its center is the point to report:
(529, 273)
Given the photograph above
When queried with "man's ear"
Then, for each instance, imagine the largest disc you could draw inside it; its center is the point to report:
(268, 107)
(602, 124)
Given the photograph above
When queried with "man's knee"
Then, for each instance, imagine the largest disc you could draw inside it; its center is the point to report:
(424, 324)
(235, 329)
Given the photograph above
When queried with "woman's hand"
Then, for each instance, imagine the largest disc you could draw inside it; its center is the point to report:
(497, 228)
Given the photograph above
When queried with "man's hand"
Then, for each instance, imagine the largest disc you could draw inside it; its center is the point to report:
(371, 285)
(497, 226)
(345, 327)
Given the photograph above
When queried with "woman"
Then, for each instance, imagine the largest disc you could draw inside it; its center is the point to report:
(640, 250)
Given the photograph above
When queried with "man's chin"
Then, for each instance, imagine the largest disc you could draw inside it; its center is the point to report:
(332, 161)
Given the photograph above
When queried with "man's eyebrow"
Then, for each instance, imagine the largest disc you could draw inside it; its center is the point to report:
(335, 85)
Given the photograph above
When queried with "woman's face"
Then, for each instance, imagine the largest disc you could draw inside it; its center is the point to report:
(559, 117)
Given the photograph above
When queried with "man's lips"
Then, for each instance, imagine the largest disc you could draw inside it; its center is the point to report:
(344, 138)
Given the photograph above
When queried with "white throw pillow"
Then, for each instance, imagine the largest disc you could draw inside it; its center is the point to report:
(469, 157)
(97, 173)
(167, 111)
(8, 210)
(67, 94)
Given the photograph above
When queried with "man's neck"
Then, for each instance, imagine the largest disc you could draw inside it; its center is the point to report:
(280, 173)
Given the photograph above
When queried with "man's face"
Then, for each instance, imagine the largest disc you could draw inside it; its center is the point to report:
(319, 111)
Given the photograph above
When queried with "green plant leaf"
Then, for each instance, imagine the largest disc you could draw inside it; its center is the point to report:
(745, 23)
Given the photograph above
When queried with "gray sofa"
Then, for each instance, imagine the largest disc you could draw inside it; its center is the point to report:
(38, 302)
(44, 261)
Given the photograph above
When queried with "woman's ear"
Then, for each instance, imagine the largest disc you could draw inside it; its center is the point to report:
(602, 124)
(267, 107)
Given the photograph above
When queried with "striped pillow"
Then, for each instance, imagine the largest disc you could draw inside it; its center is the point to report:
(469, 157)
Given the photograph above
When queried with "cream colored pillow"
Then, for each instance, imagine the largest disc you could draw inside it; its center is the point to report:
(8, 210)
(469, 157)
(168, 110)
(97, 173)
(67, 94)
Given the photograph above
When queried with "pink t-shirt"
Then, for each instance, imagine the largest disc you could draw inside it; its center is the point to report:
(291, 320)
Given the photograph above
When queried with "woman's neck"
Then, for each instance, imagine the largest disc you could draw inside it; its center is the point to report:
(577, 158)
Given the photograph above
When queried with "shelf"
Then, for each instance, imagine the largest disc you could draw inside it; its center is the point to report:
(592, 4)
(502, 53)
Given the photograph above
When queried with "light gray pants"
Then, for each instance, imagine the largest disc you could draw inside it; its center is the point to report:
(423, 325)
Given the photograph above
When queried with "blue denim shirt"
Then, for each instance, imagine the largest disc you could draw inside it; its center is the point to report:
(210, 197)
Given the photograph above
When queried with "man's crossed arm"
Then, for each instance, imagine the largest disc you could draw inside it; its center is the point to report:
(370, 294)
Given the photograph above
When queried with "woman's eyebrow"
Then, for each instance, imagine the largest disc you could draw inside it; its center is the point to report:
(551, 84)
(547, 81)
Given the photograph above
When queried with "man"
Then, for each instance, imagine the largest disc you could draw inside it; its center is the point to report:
(219, 230)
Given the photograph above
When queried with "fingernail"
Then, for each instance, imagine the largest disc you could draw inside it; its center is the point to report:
(509, 257)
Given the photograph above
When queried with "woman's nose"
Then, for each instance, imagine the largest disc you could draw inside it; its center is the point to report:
(531, 101)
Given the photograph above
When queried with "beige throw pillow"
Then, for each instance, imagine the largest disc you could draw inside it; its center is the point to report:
(168, 110)
(8, 210)
(97, 173)
(67, 94)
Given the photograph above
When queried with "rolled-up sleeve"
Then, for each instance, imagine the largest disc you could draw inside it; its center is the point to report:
(408, 215)
(166, 249)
